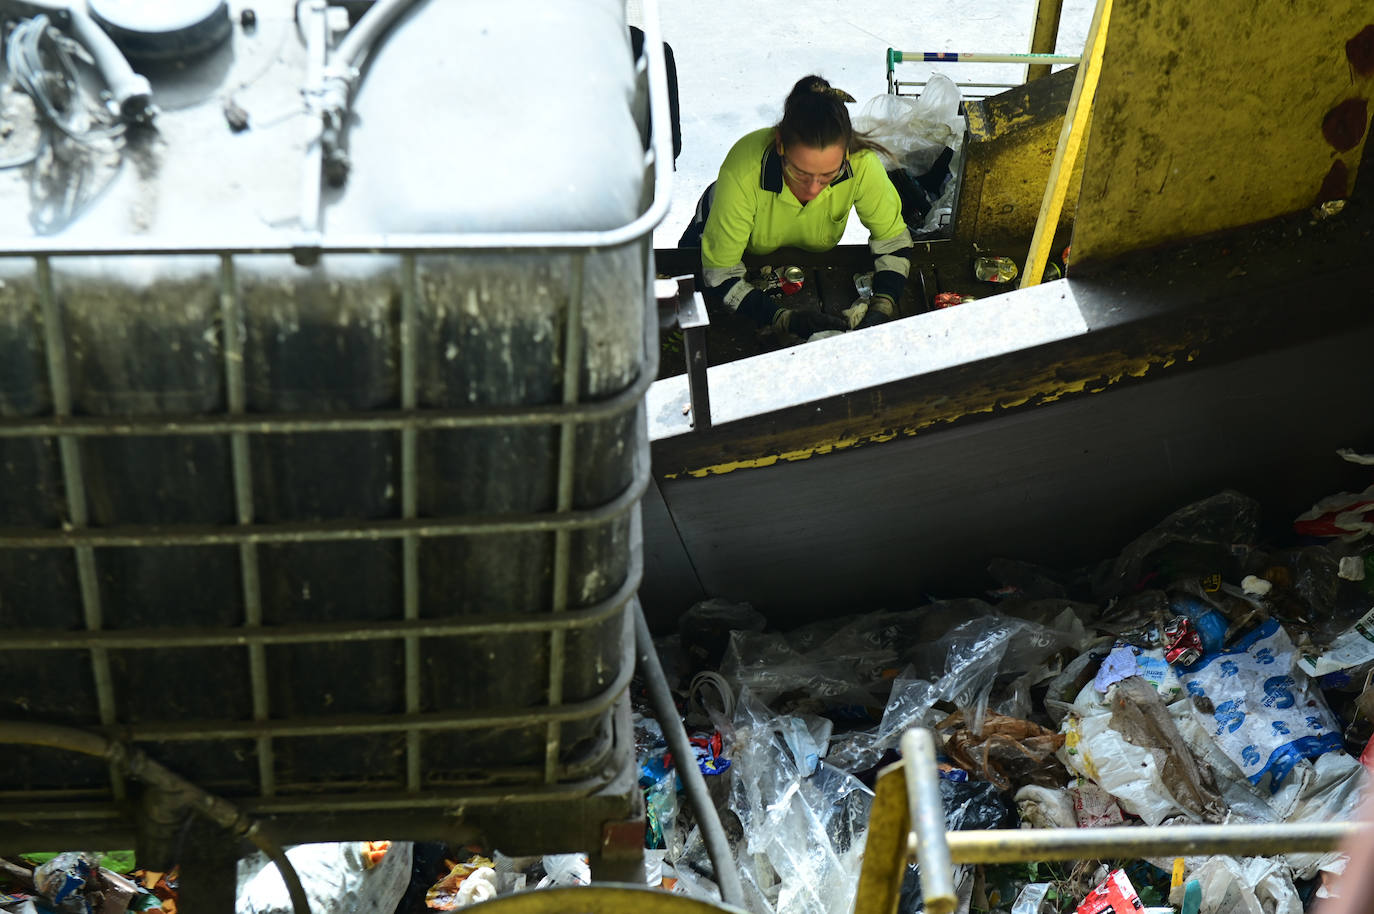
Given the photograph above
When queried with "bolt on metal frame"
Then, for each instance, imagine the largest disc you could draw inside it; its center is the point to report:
(247, 534)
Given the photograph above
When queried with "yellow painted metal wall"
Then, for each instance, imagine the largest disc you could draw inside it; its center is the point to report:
(1222, 114)
(1011, 143)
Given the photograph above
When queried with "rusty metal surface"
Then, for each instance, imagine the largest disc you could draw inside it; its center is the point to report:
(1007, 154)
(1220, 115)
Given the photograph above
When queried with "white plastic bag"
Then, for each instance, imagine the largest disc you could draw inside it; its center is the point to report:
(1126, 771)
(1255, 885)
(334, 878)
(1352, 648)
(918, 129)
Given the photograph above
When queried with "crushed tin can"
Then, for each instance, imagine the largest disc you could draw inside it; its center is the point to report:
(950, 299)
(994, 269)
(1182, 643)
(793, 278)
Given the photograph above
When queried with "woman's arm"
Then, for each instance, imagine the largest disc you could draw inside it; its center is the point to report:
(880, 210)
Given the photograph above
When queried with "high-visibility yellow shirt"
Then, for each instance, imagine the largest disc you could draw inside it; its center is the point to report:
(755, 211)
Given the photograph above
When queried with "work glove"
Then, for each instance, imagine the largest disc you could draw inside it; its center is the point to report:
(805, 323)
(881, 309)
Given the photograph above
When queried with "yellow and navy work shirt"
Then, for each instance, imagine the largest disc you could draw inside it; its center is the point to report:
(754, 211)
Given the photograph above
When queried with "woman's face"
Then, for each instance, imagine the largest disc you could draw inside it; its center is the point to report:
(808, 170)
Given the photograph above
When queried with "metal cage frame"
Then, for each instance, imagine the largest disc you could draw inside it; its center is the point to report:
(590, 794)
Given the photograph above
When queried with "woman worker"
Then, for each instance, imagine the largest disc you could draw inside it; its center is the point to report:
(793, 185)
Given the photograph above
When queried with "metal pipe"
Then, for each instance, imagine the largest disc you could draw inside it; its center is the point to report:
(329, 531)
(1036, 844)
(142, 767)
(1044, 35)
(693, 784)
(295, 423)
(316, 52)
(359, 41)
(410, 508)
(332, 632)
(236, 390)
(980, 57)
(927, 812)
(345, 724)
(562, 542)
(74, 484)
(130, 91)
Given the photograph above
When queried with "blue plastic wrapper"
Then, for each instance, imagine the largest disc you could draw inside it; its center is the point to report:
(1263, 711)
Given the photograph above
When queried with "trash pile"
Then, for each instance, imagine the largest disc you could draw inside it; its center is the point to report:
(1202, 676)
(79, 883)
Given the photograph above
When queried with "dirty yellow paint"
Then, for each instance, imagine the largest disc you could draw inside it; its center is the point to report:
(1011, 144)
(1213, 116)
(1066, 153)
(1043, 392)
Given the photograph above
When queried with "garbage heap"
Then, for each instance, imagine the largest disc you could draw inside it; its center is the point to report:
(1201, 676)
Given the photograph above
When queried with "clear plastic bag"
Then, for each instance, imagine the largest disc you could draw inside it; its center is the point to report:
(1195, 540)
(803, 836)
(915, 130)
(333, 875)
(843, 663)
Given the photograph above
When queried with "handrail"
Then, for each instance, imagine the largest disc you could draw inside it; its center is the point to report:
(907, 821)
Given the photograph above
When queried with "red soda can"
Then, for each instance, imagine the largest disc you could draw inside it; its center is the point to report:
(793, 278)
(1183, 645)
(950, 299)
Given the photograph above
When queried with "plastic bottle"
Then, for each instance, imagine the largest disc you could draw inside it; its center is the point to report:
(995, 269)
(863, 284)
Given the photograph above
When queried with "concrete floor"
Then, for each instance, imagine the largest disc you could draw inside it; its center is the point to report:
(736, 61)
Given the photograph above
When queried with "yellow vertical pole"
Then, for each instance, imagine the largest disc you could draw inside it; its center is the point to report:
(1045, 35)
(1070, 138)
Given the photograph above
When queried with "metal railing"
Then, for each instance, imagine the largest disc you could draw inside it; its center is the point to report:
(894, 57)
(907, 823)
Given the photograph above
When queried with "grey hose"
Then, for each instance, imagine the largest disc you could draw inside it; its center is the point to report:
(142, 767)
(661, 698)
(341, 76)
(130, 90)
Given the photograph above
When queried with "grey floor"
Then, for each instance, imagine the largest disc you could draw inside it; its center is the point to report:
(737, 59)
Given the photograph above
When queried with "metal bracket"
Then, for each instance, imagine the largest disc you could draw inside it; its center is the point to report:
(679, 303)
(621, 855)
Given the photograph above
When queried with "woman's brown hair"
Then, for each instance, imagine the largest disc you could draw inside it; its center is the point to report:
(815, 115)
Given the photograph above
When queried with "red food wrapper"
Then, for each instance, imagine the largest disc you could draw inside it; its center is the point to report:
(1115, 895)
(948, 299)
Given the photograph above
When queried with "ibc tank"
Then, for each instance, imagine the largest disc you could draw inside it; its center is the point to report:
(330, 490)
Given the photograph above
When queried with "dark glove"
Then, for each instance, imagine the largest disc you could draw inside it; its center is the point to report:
(805, 323)
(881, 309)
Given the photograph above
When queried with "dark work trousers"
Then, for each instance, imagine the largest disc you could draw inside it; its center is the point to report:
(691, 236)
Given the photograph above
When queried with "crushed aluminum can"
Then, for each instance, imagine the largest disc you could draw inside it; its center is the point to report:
(793, 278)
(1183, 645)
(950, 299)
(994, 269)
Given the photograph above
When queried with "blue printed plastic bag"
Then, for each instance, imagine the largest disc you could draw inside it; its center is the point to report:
(1263, 712)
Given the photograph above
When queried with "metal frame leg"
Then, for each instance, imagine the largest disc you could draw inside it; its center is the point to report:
(693, 319)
